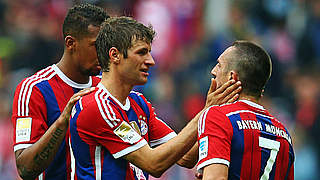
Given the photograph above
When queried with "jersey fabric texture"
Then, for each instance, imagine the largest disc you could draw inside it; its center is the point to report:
(247, 139)
(38, 102)
(103, 131)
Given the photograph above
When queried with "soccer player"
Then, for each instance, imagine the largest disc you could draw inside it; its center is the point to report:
(242, 140)
(115, 133)
(40, 116)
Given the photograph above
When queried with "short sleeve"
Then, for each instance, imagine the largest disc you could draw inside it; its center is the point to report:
(29, 116)
(214, 138)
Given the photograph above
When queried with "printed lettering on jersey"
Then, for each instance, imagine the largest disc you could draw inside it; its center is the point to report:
(127, 133)
(203, 147)
(143, 125)
(23, 129)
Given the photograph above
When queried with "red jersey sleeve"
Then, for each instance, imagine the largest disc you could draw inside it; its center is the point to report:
(159, 131)
(28, 115)
(100, 123)
(214, 138)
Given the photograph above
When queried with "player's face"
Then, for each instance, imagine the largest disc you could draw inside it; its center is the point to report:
(220, 70)
(134, 68)
(88, 63)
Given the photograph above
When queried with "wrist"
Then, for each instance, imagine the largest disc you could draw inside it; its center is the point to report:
(62, 122)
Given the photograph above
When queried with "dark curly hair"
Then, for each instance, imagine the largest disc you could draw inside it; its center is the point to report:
(80, 17)
(120, 32)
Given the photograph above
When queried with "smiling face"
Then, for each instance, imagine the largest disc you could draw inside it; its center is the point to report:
(134, 69)
(221, 71)
(86, 55)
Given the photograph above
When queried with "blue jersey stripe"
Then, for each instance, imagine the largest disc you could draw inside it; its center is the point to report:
(111, 169)
(53, 110)
(237, 148)
(57, 169)
(83, 171)
(141, 103)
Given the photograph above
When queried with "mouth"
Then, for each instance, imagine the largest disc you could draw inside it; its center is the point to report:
(145, 72)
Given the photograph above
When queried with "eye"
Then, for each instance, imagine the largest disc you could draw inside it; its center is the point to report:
(143, 51)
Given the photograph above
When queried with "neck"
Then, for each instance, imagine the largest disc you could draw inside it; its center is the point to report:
(249, 98)
(116, 87)
(69, 68)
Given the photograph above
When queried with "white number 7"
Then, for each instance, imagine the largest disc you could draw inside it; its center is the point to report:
(274, 147)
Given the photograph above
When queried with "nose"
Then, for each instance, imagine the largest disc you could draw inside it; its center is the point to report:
(150, 61)
(214, 71)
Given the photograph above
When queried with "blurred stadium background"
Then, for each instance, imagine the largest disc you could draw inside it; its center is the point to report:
(191, 34)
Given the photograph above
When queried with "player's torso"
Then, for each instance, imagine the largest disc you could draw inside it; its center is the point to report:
(260, 147)
(53, 93)
(87, 149)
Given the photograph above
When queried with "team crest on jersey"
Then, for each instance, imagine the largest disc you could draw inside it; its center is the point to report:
(203, 147)
(23, 129)
(126, 133)
(143, 125)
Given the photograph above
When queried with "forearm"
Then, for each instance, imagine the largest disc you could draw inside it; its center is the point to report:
(190, 159)
(169, 153)
(33, 160)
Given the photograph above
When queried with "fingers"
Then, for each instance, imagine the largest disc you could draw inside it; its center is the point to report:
(231, 91)
(85, 91)
(233, 96)
(225, 86)
(228, 92)
(213, 86)
(77, 96)
(81, 93)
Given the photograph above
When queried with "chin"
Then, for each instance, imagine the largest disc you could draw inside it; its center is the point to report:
(94, 73)
(142, 82)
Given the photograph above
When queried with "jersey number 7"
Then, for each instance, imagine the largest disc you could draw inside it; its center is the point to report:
(274, 146)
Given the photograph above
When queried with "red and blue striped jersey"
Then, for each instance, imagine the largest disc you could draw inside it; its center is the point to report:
(103, 130)
(246, 138)
(38, 102)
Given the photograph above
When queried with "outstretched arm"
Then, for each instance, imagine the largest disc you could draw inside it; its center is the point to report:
(156, 161)
(228, 92)
(32, 161)
(215, 171)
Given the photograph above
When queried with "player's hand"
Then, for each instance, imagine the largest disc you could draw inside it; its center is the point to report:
(227, 93)
(67, 110)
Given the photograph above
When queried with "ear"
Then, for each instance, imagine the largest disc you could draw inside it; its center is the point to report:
(70, 42)
(114, 55)
(233, 75)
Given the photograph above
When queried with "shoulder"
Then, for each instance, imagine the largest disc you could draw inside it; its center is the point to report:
(223, 109)
(38, 77)
(99, 103)
(138, 97)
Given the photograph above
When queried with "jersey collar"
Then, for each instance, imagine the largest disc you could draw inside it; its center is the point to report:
(125, 107)
(69, 81)
(253, 104)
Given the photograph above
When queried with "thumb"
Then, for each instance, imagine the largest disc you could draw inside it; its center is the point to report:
(213, 86)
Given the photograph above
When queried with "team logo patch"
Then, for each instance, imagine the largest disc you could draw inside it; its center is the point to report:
(143, 125)
(127, 133)
(203, 147)
(23, 129)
